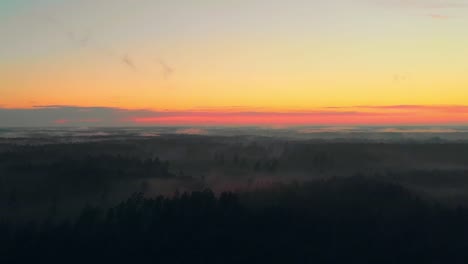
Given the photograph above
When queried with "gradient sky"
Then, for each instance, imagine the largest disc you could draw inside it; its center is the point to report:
(266, 61)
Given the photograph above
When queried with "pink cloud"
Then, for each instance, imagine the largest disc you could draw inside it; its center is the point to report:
(437, 16)
(61, 121)
(191, 131)
(398, 114)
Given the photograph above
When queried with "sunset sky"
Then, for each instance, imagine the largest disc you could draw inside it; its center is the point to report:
(243, 62)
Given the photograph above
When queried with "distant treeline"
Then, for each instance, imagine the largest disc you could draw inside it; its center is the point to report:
(45, 182)
(346, 220)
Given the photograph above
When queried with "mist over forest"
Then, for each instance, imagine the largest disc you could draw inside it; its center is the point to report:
(189, 187)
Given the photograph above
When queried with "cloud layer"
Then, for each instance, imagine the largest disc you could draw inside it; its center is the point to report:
(57, 115)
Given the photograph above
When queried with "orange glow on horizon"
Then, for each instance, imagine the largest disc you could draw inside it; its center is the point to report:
(385, 115)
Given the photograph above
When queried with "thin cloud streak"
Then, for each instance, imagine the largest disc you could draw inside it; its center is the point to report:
(425, 4)
(127, 61)
(85, 40)
(167, 70)
(439, 17)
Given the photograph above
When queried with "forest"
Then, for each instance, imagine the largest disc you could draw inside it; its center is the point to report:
(207, 199)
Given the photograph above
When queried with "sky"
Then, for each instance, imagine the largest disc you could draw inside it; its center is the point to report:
(243, 62)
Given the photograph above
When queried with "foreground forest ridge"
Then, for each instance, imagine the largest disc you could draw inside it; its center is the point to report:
(351, 220)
